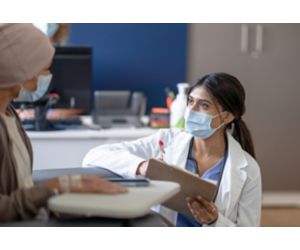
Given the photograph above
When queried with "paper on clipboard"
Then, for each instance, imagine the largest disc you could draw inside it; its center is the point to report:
(191, 184)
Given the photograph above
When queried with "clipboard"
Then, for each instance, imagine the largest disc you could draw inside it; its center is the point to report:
(191, 184)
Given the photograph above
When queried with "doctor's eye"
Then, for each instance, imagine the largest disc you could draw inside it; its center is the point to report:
(190, 101)
(204, 105)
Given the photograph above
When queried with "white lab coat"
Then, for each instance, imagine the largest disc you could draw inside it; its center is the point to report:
(239, 195)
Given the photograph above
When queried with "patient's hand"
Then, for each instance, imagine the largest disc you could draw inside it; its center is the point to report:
(84, 184)
(95, 184)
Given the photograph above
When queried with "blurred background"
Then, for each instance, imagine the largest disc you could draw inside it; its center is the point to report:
(264, 57)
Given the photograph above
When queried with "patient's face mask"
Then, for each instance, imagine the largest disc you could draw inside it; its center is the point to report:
(43, 83)
(199, 124)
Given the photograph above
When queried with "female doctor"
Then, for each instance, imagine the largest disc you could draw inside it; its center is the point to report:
(216, 145)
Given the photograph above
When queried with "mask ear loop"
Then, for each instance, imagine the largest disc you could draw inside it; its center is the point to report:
(223, 122)
(219, 113)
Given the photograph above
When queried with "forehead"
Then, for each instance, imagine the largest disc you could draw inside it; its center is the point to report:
(201, 93)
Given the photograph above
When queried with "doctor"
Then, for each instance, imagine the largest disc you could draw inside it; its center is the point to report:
(216, 145)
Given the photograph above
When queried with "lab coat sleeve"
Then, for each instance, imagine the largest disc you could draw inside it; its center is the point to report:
(223, 222)
(249, 206)
(123, 158)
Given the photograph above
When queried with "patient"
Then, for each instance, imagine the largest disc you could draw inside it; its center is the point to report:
(58, 33)
(25, 56)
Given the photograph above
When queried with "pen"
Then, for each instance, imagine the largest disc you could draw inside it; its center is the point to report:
(161, 148)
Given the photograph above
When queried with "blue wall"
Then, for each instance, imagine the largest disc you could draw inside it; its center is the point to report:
(144, 57)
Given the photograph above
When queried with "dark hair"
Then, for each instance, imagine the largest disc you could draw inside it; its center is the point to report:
(230, 94)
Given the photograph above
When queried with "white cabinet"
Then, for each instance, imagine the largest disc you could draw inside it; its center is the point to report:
(265, 58)
(66, 149)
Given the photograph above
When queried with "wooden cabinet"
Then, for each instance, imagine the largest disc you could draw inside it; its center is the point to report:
(280, 217)
(280, 209)
(265, 57)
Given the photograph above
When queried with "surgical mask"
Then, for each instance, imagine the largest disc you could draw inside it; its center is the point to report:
(43, 83)
(199, 124)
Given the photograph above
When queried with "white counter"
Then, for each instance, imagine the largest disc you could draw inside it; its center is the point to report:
(66, 148)
(114, 133)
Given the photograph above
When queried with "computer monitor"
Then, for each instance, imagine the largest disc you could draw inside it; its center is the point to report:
(72, 77)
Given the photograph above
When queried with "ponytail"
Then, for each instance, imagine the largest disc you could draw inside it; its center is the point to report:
(242, 134)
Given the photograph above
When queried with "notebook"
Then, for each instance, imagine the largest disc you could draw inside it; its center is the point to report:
(191, 184)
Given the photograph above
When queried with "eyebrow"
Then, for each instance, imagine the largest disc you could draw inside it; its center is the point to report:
(202, 100)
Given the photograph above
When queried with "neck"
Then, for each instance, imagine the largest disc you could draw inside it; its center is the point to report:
(213, 146)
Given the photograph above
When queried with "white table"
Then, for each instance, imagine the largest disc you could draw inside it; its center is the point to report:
(66, 148)
(136, 203)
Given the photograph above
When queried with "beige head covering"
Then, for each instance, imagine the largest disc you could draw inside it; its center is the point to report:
(24, 52)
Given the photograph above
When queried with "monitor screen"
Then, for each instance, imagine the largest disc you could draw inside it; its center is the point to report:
(72, 77)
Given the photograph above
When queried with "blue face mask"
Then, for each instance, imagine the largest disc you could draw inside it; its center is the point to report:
(43, 83)
(199, 124)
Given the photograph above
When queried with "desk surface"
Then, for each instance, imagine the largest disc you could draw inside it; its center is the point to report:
(47, 174)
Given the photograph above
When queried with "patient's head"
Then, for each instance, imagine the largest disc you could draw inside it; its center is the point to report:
(25, 54)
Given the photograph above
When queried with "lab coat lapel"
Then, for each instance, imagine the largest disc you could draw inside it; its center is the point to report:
(178, 151)
(233, 178)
